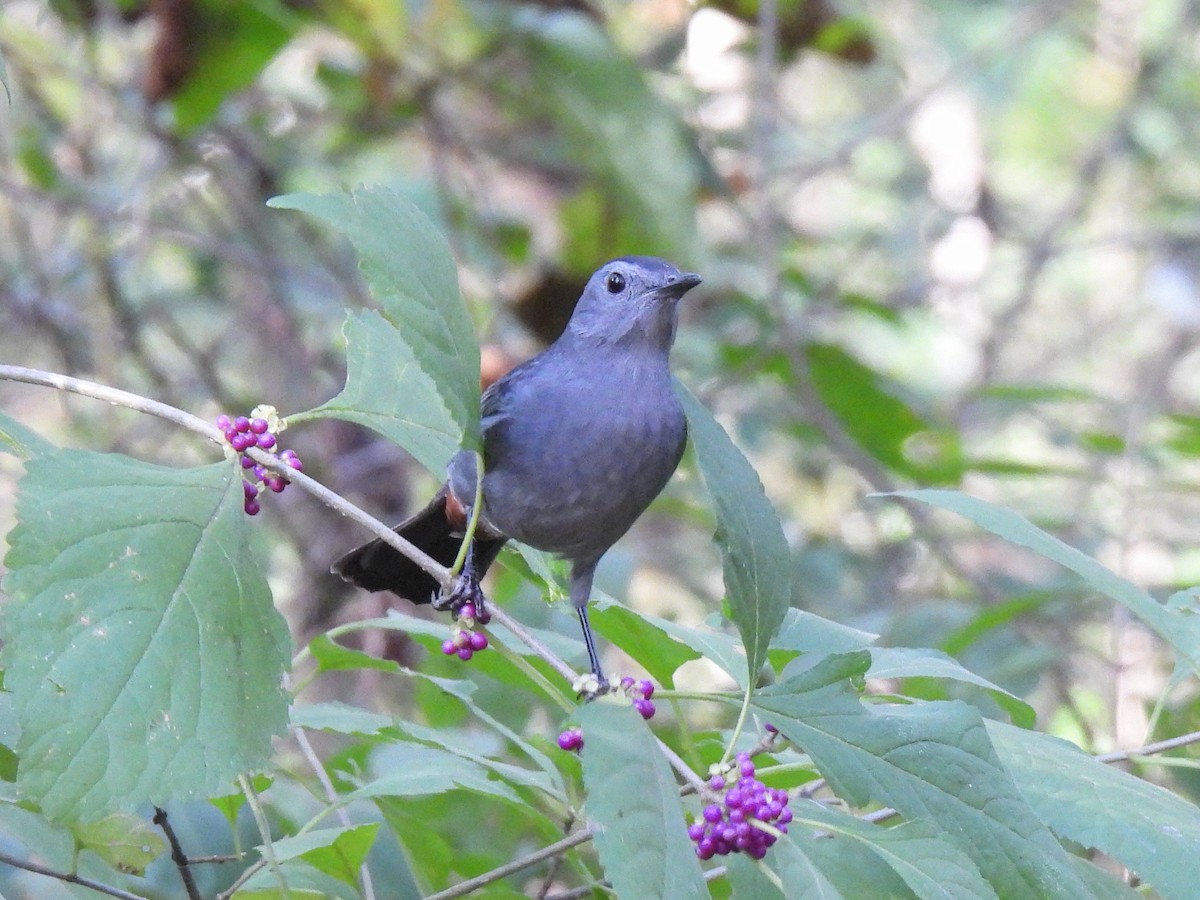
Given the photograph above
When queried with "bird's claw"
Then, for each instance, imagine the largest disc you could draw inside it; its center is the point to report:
(591, 685)
(463, 590)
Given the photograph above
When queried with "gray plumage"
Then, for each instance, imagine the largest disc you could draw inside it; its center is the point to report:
(577, 442)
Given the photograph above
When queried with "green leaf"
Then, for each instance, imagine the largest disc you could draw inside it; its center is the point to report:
(338, 852)
(918, 852)
(616, 126)
(633, 800)
(754, 554)
(808, 633)
(229, 805)
(126, 842)
(332, 657)
(932, 762)
(833, 868)
(339, 718)
(1179, 627)
(910, 662)
(416, 771)
(878, 420)
(20, 441)
(639, 636)
(1152, 831)
(388, 391)
(140, 644)
(231, 43)
(432, 348)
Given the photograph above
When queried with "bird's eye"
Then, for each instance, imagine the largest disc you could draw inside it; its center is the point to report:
(615, 283)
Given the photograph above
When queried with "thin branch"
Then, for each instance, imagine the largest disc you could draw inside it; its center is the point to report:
(1174, 743)
(264, 830)
(177, 855)
(69, 877)
(527, 638)
(314, 762)
(574, 840)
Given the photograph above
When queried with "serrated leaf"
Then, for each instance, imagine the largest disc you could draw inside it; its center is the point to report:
(140, 644)
(338, 852)
(754, 553)
(339, 718)
(1147, 828)
(388, 391)
(931, 866)
(633, 800)
(1180, 628)
(931, 762)
(912, 662)
(126, 842)
(411, 273)
(637, 635)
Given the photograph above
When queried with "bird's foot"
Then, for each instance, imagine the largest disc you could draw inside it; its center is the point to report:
(464, 596)
(591, 685)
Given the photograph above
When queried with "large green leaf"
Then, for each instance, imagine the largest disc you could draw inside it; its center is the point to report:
(1152, 831)
(338, 852)
(411, 273)
(918, 852)
(932, 763)
(754, 553)
(633, 800)
(1177, 625)
(140, 644)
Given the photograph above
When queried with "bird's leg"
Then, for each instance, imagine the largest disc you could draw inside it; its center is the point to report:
(581, 589)
(464, 589)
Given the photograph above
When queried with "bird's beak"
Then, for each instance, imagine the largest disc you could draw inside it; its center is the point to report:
(677, 287)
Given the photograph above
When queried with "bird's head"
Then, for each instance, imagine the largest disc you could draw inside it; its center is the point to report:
(632, 300)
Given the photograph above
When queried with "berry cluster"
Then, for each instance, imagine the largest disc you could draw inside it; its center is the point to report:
(257, 431)
(639, 692)
(731, 828)
(464, 642)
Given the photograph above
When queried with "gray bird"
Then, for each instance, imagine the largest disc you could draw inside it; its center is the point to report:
(576, 444)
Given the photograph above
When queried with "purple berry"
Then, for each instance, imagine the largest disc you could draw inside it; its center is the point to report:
(771, 729)
(736, 816)
(705, 849)
(712, 813)
(784, 818)
(478, 640)
(646, 689)
(626, 683)
(465, 653)
(241, 424)
(733, 798)
(223, 422)
(266, 441)
(249, 490)
(467, 611)
(449, 647)
(252, 507)
(240, 441)
(645, 708)
(571, 739)
(247, 462)
(259, 426)
(747, 769)
(275, 484)
(696, 831)
(717, 783)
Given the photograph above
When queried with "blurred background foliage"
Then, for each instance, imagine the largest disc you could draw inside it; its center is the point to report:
(944, 243)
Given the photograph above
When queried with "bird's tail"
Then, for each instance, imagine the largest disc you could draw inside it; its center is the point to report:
(377, 566)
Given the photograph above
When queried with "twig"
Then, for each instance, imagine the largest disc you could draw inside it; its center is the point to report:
(574, 840)
(314, 762)
(533, 643)
(1174, 743)
(69, 877)
(177, 855)
(556, 864)
(264, 830)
